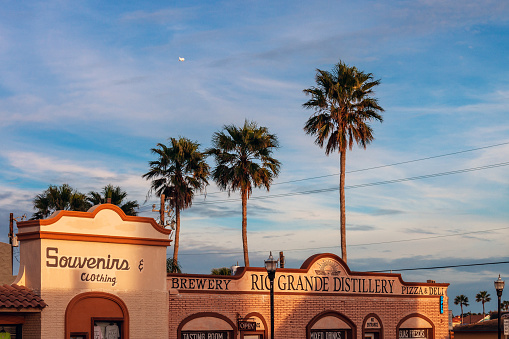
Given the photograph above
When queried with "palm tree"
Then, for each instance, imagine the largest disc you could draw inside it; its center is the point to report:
(57, 198)
(117, 196)
(244, 159)
(462, 301)
(343, 107)
(221, 271)
(178, 172)
(173, 266)
(484, 297)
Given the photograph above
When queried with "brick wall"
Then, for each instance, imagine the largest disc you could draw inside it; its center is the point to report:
(147, 312)
(32, 326)
(294, 312)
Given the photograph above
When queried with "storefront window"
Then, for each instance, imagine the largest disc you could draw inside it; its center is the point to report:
(105, 329)
(331, 325)
(372, 327)
(415, 326)
(206, 326)
(252, 326)
(10, 331)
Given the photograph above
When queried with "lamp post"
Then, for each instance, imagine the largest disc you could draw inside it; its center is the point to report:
(499, 286)
(271, 266)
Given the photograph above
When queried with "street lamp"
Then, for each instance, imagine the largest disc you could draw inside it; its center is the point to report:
(271, 266)
(499, 286)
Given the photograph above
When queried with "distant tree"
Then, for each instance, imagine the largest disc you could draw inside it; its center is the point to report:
(173, 266)
(179, 170)
(117, 196)
(343, 105)
(483, 297)
(505, 305)
(244, 160)
(221, 271)
(57, 198)
(462, 301)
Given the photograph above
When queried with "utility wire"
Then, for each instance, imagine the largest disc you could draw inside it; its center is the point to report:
(330, 189)
(440, 267)
(355, 245)
(142, 209)
(381, 166)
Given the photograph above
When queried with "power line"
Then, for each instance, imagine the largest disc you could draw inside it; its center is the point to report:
(440, 267)
(381, 166)
(330, 189)
(371, 168)
(355, 245)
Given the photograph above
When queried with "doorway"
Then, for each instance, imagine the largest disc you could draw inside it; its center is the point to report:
(89, 314)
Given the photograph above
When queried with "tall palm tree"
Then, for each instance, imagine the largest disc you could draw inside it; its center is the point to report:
(343, 107)
(57, 198)
(117, 196)
(179, 171)
(462, 301)
(484, 297)
(244, 160)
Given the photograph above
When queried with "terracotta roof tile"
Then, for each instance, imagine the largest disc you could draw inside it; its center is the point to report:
(485, 326)
(14, 296)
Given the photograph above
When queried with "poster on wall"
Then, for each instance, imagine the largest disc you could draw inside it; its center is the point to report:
(328, 334)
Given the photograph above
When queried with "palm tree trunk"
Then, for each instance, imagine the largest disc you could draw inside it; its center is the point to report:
(176, 243)
(244, 226)
(342, 224)
(461, 305)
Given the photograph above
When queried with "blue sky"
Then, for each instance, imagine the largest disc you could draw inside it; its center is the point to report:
(87, 88)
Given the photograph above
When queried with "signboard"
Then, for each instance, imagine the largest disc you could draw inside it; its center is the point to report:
(247, 325)
(372, 323)
(328, 334)
(325, 275)
(413, 333)
(506, 326)
(204, 335)
(96, 269)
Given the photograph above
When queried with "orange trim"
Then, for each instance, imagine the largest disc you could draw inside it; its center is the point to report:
(7, 319)
(93, 238)
(325, 294)
(91, 213)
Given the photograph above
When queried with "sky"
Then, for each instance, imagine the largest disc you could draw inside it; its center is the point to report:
(87, 88)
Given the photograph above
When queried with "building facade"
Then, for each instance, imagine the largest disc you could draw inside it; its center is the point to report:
(322, 299)
(101, 274)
